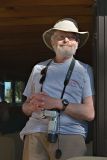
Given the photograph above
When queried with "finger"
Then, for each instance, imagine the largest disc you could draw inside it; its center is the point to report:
(38, 97)
(44, 93)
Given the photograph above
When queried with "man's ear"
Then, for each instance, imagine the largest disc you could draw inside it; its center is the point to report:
(78, 40)
(52, 42)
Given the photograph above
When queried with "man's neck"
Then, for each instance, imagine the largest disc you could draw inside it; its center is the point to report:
(61, 59)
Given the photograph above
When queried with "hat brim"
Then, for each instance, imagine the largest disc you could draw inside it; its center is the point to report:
(83, 37)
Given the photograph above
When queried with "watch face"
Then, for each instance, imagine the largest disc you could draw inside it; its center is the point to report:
(65, 102)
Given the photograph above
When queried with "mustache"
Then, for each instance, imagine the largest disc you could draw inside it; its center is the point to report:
(64, 44)
(67, 45)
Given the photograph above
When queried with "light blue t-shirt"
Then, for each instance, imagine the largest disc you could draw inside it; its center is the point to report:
(80, 85)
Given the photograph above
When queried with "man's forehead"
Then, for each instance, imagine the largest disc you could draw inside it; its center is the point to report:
(57, 32)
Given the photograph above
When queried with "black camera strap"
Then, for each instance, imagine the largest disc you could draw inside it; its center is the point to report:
(58, 153)
(68, 75)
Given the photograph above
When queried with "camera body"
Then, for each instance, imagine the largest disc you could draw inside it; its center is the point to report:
(53, 124)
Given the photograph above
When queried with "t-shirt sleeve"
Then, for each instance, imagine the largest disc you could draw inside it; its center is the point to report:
(88, 89)
(29, 89)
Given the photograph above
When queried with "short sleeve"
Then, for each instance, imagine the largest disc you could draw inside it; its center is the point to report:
(29, 89)
(88, 89)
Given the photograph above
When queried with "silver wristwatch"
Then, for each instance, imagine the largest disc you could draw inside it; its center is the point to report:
(65, 103)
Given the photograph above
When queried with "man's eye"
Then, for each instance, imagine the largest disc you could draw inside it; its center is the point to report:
(61, 37)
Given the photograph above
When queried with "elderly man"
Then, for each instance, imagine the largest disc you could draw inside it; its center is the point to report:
(59, 98)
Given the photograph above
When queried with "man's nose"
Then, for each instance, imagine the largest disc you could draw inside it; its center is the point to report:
(66, 39)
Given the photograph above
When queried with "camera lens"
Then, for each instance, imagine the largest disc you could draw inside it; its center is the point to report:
(52, 138)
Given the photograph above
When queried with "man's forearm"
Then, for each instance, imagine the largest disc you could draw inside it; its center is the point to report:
(26, 108)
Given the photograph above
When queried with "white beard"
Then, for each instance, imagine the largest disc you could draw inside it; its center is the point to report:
(66, 51)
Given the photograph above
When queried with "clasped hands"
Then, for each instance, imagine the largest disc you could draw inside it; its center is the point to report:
(41, 101)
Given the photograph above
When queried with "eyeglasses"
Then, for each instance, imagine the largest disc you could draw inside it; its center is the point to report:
(43, 73)
(69, 36)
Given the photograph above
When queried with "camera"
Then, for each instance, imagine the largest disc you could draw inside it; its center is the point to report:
(53, 124)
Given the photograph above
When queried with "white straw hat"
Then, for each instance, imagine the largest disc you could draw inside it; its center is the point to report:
(67, 25)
